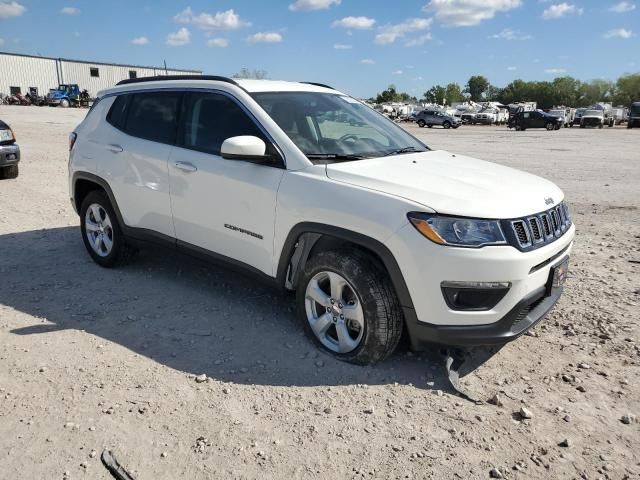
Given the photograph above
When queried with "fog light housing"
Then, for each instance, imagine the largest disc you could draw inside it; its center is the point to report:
(473, 296)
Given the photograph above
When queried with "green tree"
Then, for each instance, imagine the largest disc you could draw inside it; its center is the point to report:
(453, 93)
(596, 91)
(627, 90)
(436, 94)
(492, 93)
(476, 86)
(253, 74)
(566, 91)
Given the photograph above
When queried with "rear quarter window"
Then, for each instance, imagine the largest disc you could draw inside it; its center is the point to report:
(117, 113)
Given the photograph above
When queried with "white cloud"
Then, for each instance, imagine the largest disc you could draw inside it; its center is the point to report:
(560, 10)
(555, 70)
(218, 42)
(179, 38)
(11, 9)
(312, 4)
(508, 34)
(265, 37)
(390, 33)
(623, 7)
(140, 41)
(618, 33)
(465, 13)
(227, 20)
(397, 72)
(355, 23)
(421, 40)
(367, 61)
(70, 11)
(511, 69)
(342, 46)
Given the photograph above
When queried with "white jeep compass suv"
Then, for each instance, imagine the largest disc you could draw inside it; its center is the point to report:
(319, 194)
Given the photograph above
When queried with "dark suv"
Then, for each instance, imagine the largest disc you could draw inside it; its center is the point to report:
(9, 152)
(634, 115)
(535, 119)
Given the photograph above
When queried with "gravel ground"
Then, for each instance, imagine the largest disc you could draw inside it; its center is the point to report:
(185, 370)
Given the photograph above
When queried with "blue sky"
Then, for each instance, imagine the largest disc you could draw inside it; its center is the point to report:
(358, 46)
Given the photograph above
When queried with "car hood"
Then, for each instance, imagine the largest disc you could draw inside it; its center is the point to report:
(452, 184)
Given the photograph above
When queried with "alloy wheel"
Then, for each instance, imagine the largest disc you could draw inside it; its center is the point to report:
(99, 229)
(334, 312)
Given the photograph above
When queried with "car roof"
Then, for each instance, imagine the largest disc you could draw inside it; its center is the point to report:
(249, 85)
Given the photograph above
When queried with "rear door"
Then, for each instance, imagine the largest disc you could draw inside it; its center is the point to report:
(137, 144)
(224, 206)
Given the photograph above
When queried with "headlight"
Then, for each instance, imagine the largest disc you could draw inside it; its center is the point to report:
(459, 232)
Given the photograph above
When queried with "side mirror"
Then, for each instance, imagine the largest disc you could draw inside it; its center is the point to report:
(245, 147)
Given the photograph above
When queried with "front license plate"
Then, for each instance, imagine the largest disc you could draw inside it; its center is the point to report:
(560, 273)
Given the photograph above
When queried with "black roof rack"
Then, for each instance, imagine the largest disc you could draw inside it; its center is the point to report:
(159, 78)
(319, 85)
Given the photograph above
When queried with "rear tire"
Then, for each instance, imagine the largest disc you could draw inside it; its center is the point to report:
(549, 126)
(446, 125)
(421, 123)
(9, 173)
(101, 233)
(348, 277)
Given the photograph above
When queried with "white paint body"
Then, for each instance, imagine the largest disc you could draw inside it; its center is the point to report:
(371, 197)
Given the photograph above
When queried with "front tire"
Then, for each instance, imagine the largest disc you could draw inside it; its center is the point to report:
(348, 307)
(64, 103)
(9, 173)
(549, 126)
(101, 232)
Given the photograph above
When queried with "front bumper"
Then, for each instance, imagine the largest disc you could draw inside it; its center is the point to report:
(591, 122)
(9, 155)
(523, 316)
(430, 320)
(485, 121)
(53, 101)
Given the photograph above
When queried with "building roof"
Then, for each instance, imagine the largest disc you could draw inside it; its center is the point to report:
(99, 63)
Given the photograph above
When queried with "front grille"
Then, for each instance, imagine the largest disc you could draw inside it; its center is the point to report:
(539, 229)
(522, 234)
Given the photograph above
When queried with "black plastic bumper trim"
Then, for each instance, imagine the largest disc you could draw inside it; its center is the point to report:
(506, 329)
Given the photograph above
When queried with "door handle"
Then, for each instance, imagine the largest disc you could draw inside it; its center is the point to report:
(115, 148)
(186, 166)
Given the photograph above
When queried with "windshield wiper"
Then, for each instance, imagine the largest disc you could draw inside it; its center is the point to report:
(334, 156)
(403, 150)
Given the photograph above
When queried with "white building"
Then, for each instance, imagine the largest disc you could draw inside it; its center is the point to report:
(19, 73)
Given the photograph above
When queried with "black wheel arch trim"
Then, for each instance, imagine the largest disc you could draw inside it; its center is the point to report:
(385, 255)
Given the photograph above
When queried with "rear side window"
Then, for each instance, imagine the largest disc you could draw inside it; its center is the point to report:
(210, 118)
(118, 112)
(152, 116)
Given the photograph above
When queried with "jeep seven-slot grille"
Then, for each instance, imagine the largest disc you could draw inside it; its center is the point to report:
(539, 229)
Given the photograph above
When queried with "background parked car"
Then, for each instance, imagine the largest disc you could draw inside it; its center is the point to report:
(592, 118)
(578, 115)
(535, 119)
(9, 152)
(432, 117)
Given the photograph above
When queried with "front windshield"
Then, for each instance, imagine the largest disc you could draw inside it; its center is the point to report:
(597, 113)
(327, 126)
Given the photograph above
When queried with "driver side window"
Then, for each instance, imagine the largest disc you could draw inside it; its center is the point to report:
(210, 118)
